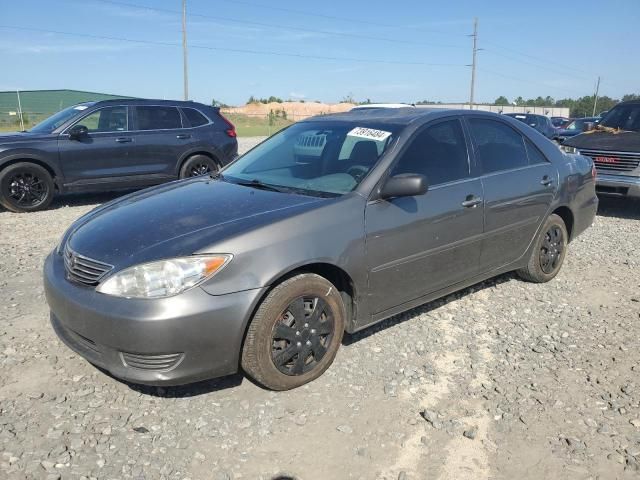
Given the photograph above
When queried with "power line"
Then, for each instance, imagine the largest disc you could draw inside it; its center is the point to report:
(233, 50)
(509, 77)
(280, 26)
(538, 65)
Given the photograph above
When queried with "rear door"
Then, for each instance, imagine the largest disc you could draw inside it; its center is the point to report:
(103, 153)
(519, 184)
(159, 141)
(418, 245)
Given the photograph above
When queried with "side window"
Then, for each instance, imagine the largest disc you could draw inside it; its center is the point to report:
(535, 155)
(439, 152)
(196, 119)
(108, 119)
(500, 147)
(158, 118)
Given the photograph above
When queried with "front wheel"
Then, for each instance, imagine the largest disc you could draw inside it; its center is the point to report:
(295, 333)
(549, 252)
(25, 187)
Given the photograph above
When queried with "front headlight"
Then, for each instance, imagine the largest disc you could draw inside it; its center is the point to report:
(568, 149)
(163, 278)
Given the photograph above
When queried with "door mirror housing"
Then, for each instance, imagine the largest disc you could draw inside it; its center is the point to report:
(404, 185)
(78, 131)
(588, 126)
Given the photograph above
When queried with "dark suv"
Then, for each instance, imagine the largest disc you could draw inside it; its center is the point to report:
(109, 145)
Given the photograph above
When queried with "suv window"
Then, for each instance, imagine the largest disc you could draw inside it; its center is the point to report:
(439, 152)
(624, 117)
(196, 119)
(500, 147)
(107, 119)
(158, 118)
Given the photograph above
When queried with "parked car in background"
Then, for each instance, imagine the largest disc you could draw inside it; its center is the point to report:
(265, 265)
(576, 127)
(112, 144)
(540, 122)
(560, 122)
(614, 146)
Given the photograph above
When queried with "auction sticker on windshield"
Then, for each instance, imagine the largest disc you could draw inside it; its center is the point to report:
(369, 133)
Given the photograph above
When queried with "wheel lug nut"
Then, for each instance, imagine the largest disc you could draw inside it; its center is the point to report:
(313, 331)
(297, 332)
(306, 325)
(299, 344)
(308, 343)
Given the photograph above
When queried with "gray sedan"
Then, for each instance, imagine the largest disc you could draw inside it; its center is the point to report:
(332, 225)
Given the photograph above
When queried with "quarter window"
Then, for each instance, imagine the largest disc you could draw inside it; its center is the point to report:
(196, 119)
(439, 152)
(108, 119)
(499, 146)
(158, 118)
(535, 155)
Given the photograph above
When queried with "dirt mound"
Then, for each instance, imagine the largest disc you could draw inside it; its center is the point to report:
(293, 109)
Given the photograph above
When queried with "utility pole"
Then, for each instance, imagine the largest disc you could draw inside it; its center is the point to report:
(184, 50)
(473, 64)
(20, 111)
(595, 98)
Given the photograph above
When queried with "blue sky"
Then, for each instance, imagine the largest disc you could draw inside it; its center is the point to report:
(405, 50)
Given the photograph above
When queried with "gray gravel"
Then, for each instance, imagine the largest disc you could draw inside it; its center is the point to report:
(503, 380)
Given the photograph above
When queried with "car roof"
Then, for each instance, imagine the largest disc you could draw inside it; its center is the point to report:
(392, 116)
(629, 102)
(147, 101)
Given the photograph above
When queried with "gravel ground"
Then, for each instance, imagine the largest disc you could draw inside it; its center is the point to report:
(503, 380)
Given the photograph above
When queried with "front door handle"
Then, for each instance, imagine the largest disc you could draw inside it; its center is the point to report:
(183, 136)
(546, 181)
(472, 201)
(124, 139)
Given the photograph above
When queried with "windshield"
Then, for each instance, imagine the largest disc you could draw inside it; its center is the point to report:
(54, 121)
(624, 117)
(314, 158)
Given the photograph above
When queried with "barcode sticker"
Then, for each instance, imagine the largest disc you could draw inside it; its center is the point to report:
(369, 133)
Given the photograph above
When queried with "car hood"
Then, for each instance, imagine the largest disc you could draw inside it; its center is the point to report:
(10, 137)
(177, 219)
(599, 140)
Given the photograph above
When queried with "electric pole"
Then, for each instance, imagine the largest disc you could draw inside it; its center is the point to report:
(473, 64)
(184, 50)
(595, 98)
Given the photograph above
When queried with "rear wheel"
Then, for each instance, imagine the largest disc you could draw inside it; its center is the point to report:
(295, 334)
(549, 252)
(198, 165)
(25, 187)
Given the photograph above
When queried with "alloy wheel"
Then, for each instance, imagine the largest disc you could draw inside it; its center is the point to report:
(26, 189)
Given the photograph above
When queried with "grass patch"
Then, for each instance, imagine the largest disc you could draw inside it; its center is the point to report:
(247, 126)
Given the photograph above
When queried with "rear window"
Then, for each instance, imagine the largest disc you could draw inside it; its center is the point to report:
(158, 118)
(624, 117)
(196, 119)
(500, 147)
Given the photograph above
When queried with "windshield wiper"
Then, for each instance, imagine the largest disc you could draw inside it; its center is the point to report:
(255, 183)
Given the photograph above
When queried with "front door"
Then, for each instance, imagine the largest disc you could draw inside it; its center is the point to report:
(418, 245)
(519, 185)
(103, 153)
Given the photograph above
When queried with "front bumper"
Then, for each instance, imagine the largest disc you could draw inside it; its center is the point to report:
(618, 185)
(170, 341)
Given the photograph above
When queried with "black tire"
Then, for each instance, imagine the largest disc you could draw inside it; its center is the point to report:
(286, 347)
(549, 251)
(25, 187)
(198, 165)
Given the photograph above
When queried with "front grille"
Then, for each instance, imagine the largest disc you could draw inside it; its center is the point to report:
(81, 269)
(613, 161)
(162, 362)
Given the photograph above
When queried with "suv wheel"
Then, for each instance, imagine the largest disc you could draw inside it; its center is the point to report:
(295, 333)
(25, 187)
(198, 165)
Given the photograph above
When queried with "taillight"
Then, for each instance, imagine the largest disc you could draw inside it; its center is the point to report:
(231, 131)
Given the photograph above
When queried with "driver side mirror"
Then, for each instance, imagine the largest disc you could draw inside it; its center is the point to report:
(77, 132)
(588, 126)
(404, 185)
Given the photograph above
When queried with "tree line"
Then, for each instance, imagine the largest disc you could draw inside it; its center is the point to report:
(578, 107)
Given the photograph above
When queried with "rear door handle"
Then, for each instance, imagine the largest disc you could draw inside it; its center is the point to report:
(546, 181)
(124, 139)
(183, 136)
(472, 201)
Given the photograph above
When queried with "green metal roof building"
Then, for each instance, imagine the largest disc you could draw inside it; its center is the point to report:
(39, 104)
